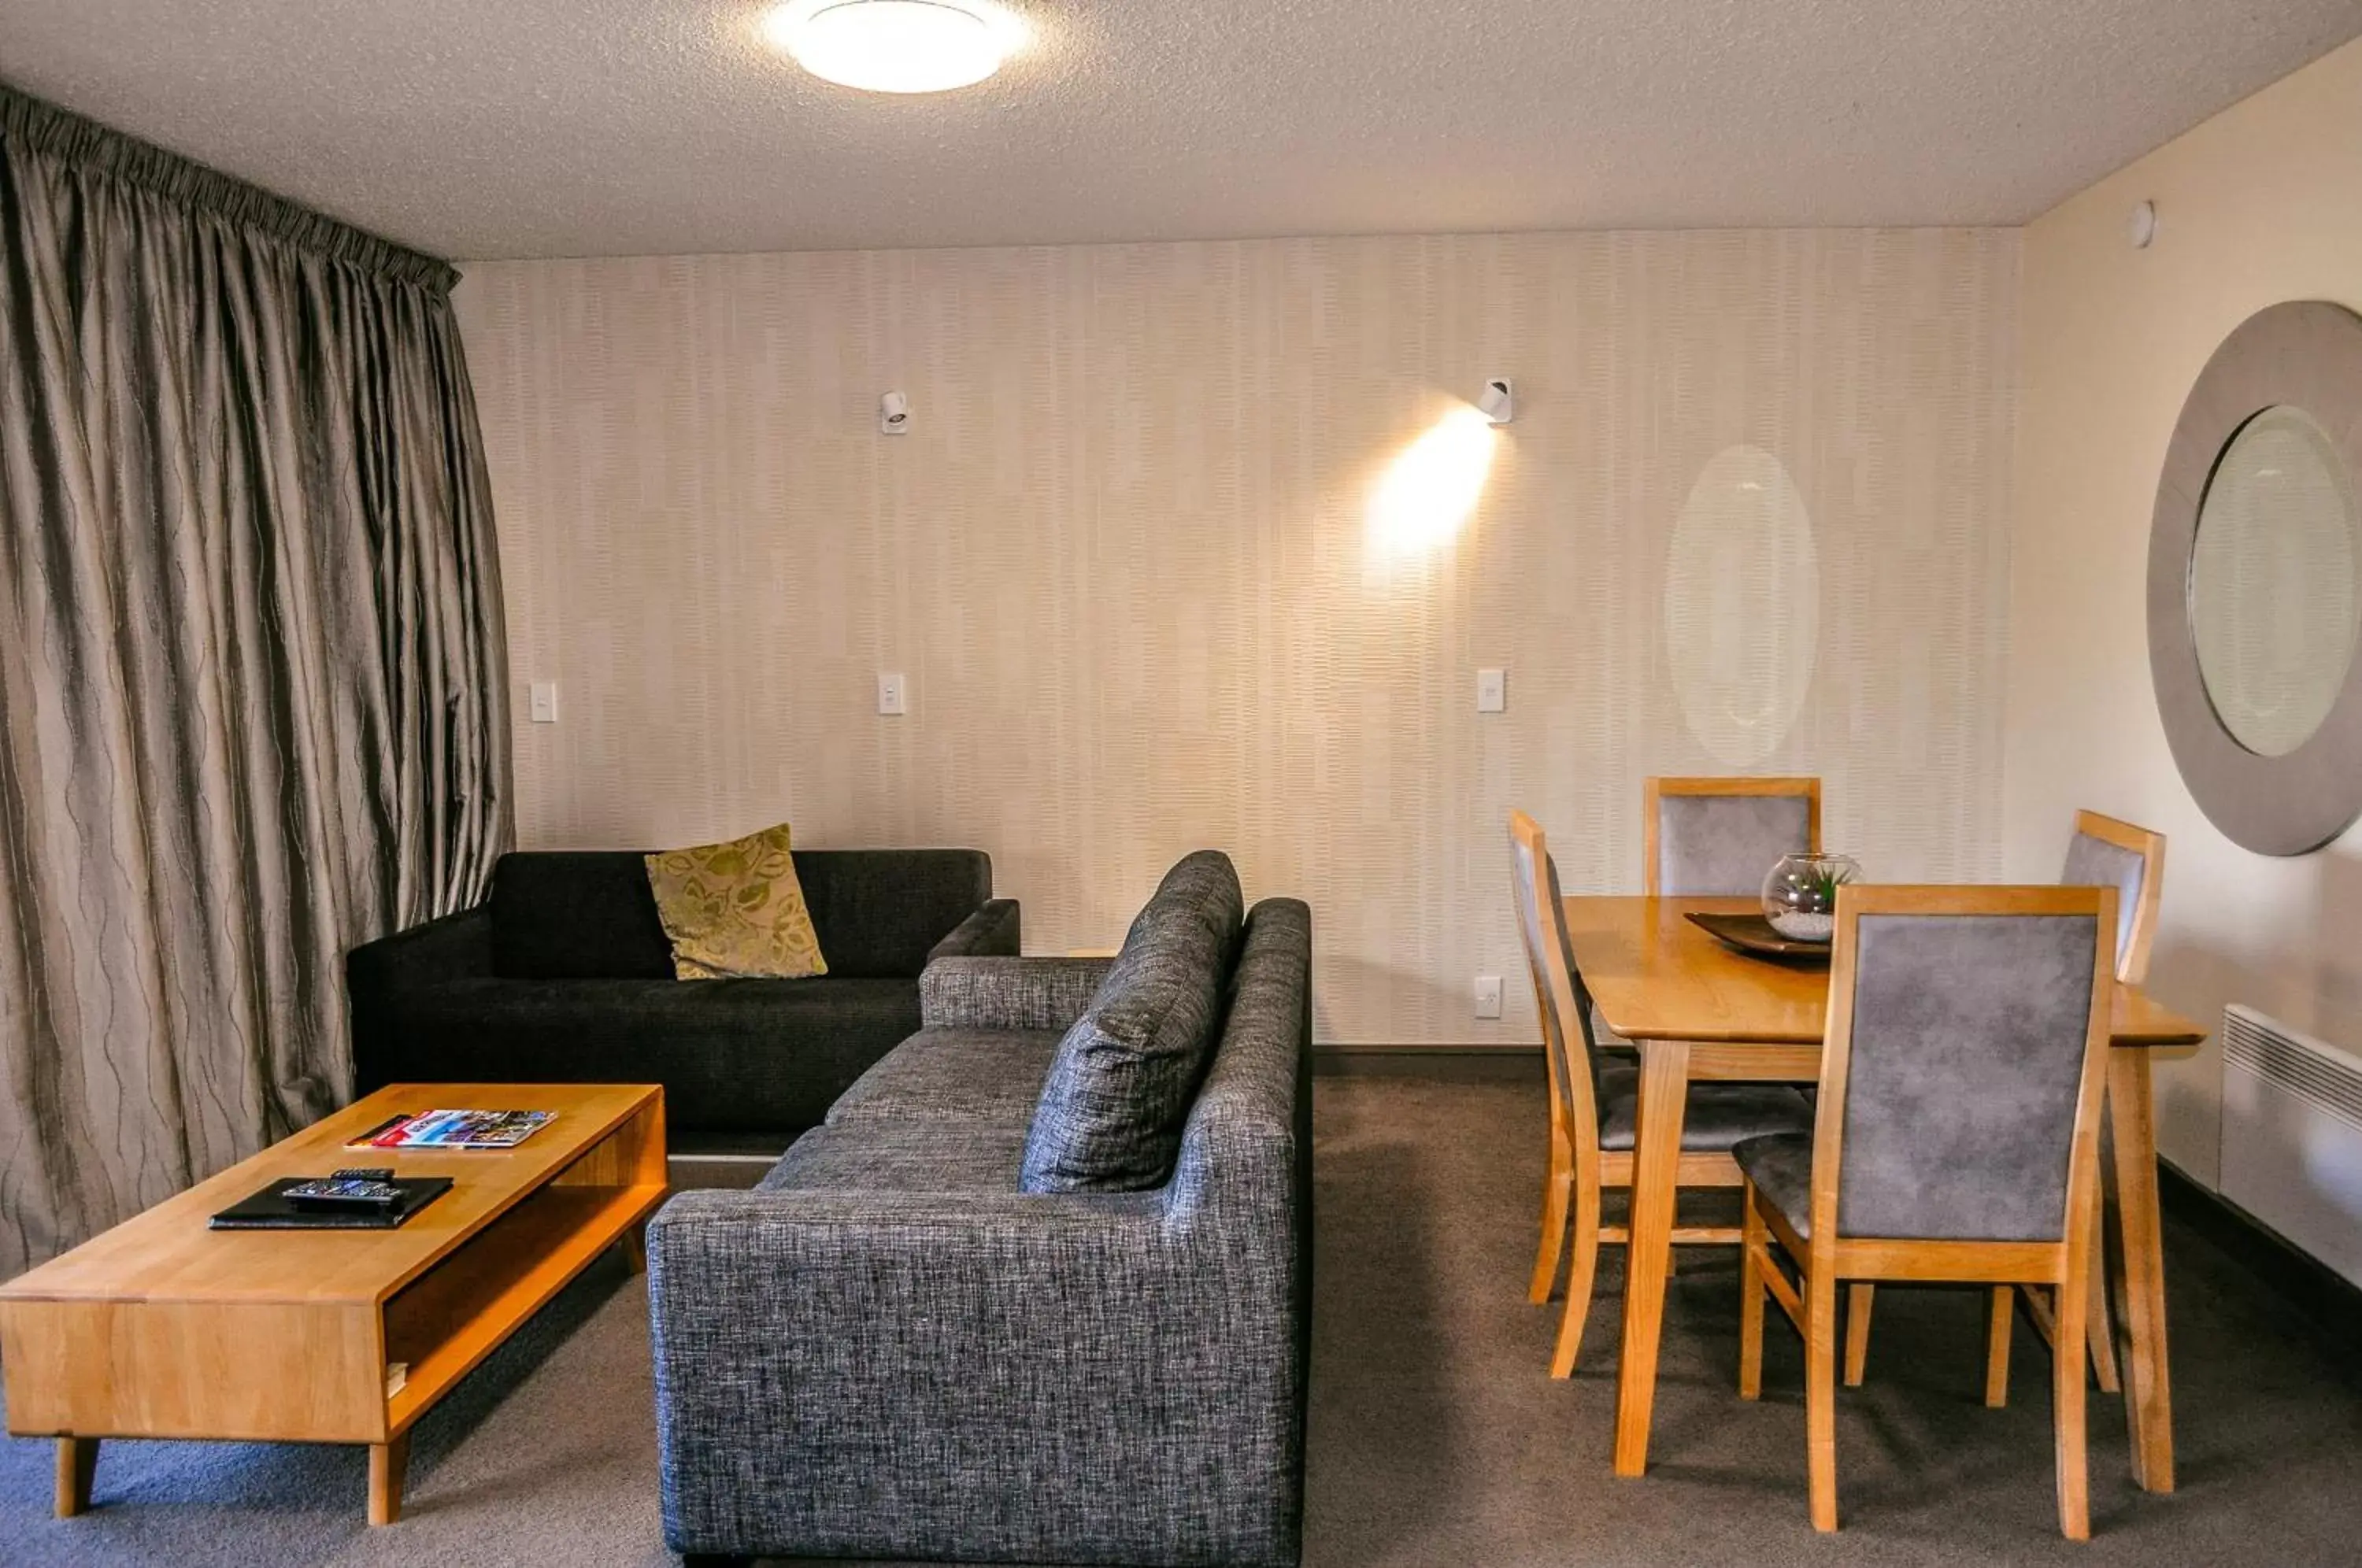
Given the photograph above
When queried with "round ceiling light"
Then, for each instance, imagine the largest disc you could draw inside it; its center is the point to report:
(896, 46)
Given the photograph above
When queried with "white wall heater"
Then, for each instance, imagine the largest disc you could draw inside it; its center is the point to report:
(2292, 1136)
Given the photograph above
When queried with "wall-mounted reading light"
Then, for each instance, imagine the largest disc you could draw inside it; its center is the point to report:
(894, 414)
(1497, 403)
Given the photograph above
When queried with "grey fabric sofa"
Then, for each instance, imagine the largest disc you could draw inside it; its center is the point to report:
(888, 1350)
(565, 976)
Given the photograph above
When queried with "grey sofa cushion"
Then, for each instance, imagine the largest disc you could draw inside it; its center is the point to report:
(1782, 1169)
(1719, 1115)
(909, 1156)
(1111, 1109)
(1717, 845)
(967, 1074)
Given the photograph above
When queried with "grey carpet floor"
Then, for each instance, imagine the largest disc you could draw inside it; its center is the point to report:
(1435, 1437)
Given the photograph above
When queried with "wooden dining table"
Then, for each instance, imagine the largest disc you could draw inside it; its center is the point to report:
(1696, 1010)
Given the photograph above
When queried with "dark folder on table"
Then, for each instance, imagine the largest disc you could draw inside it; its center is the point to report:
(269, 1210)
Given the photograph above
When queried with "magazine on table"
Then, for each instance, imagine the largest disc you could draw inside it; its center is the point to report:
(455, 1129)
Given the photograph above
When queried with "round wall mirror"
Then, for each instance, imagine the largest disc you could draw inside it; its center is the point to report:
(2273, 596)
(2254, 580)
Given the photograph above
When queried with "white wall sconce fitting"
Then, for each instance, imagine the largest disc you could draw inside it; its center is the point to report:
(1498, 402)
(2140, 227)
(894, 414)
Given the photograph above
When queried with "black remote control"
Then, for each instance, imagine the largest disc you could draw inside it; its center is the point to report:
(363, 1172)
(344, 1189)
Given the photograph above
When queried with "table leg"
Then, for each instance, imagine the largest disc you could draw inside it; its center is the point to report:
(1656, 1170)
(387, 1462)
(2149, 1396)
(77, 1465)
(633, 1245)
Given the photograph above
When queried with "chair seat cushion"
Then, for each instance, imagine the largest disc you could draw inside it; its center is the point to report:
(1781, 1167)
(909, 1156)
(1719, 1115)
(991, 1075)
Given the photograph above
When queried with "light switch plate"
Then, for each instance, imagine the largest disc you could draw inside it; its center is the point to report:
(543, 695)
(892, 697)
(1492, 690)
(1488, 996)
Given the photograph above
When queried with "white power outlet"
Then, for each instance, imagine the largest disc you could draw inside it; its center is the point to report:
(891, 697)
(544, 694)
(1488, 996)
(1492, 690)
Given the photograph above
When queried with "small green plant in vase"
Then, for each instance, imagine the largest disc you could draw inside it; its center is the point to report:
(1800, 896)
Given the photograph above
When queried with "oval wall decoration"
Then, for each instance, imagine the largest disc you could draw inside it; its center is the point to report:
(1742, 606)
(2254, 580)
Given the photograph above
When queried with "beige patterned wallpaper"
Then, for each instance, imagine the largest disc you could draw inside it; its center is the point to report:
(1154, 586)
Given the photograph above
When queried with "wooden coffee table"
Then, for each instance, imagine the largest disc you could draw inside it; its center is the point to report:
(164, 1329)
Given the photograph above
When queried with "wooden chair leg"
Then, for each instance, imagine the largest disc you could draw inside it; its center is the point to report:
(2067, 1396)
(1580, 1270)
(1752, 1291)
(2001, 1311)
(2101, 1327)
(1820, 1295)
(1555, 1190)
(1858, 1295)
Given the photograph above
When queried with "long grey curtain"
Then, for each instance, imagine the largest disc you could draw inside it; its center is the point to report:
(252, 687)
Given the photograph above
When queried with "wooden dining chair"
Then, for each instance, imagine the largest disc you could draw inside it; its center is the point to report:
(1720, 838)
(2104, 853)
(1957, 1137)
(1595, 1107)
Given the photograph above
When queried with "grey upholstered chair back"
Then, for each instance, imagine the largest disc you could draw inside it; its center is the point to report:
(1964, 1074)
(1570, 1047)
(2093, 862)
(1725, 845)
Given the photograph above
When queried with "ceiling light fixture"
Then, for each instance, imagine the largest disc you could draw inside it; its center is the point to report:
(896, 46)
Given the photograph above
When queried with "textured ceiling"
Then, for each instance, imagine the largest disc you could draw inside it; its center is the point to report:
(568, 128)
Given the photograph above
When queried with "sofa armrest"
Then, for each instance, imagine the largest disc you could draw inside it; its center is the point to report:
(816, 1352)
(993, 929)
(456, 947)
(380, 977)
(1008, 993)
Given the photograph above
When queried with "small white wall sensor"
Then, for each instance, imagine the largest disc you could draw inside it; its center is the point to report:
(2141, 226)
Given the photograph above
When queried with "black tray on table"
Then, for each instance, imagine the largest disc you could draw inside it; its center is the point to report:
(1753, 935)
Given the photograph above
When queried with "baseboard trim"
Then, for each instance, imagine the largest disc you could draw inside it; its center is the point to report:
(2326, 1299)
(1456, 1064)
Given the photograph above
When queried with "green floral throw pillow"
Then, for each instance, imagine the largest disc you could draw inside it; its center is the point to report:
(735, 910)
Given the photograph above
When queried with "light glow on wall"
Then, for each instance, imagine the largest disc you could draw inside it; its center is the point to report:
(1427, 493)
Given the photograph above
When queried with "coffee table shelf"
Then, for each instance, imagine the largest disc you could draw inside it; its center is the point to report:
(449, 1319)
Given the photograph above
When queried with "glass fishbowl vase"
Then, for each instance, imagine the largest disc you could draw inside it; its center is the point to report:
(1800, 896)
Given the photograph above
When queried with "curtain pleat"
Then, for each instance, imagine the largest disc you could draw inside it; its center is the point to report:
(252, 673)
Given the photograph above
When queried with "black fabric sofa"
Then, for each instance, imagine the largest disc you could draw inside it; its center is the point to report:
(565, 976)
